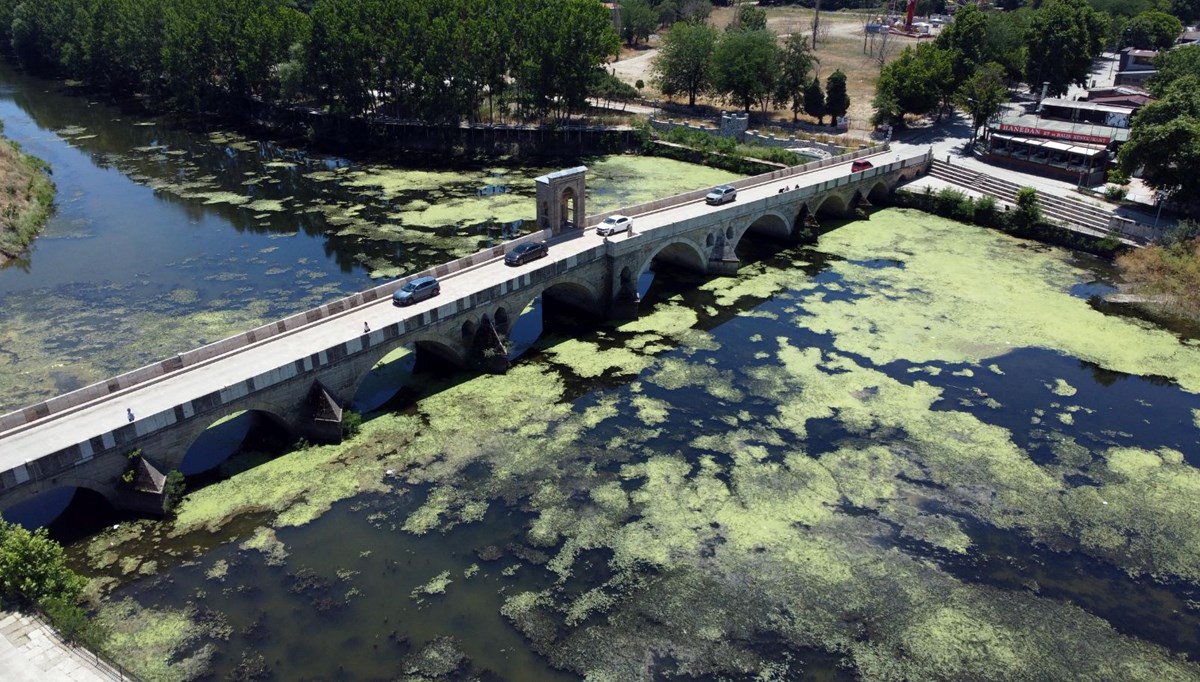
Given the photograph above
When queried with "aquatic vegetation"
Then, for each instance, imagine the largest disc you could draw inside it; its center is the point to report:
(589, 360)
(298, 486)
(157, 645)
(933, 309)
(436, 585)
(264, 540)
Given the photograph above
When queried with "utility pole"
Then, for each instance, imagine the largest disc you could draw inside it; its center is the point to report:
(816, 22)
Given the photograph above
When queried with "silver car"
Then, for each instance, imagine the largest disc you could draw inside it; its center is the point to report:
(721, 195)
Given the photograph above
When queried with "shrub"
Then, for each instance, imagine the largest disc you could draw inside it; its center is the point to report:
(173, 490)
(1029, 209)
(985, 210)
(351, 423)
(1118, 177)
(1115, 192)
(952, 203)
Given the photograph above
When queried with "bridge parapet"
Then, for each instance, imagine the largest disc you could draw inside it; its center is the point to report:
(696, 195)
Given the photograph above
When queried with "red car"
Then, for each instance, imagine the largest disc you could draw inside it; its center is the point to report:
(858, 166)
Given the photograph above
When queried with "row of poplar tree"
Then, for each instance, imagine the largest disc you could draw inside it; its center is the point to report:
(449, 60)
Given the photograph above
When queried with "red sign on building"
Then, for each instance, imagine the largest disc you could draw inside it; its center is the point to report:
(1057, 134)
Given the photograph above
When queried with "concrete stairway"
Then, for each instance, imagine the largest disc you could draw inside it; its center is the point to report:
(1074, 213)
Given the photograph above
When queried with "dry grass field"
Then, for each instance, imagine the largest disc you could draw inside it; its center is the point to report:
(840, 45)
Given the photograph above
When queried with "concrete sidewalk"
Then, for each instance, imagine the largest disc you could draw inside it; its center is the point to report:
(31, 652)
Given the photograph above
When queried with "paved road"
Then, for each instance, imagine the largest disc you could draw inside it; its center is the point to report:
(107, 414)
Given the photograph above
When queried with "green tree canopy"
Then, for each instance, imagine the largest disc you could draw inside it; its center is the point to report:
(33, 567)
(837, 100)
(909, 85)
(1164, 141)
(684, 62)
(1188, 11)
(814, 100)
(966, 39)
(796, 63)
(745, 66)
(1063, 38)
(748, 18)
(1151, 30)
(1172, 65)
(982, 94)
(638, 21)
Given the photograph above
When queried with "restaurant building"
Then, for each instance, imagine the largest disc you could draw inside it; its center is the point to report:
(1064, 139)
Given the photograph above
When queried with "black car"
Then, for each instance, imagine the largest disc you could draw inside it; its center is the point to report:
(419, 289)
(526, 252)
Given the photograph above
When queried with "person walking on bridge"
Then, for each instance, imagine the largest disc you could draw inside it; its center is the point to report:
(129, 413)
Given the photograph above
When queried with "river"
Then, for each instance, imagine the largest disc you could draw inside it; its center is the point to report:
(915, 450)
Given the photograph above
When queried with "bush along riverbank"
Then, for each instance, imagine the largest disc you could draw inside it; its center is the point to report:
(1025, 220)
(26, 199)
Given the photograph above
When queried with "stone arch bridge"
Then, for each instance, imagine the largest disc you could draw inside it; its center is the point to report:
(304, 369)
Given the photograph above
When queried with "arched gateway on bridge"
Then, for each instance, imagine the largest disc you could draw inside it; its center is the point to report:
(306, 381)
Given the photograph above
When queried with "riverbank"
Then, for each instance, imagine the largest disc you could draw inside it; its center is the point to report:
(26, 199)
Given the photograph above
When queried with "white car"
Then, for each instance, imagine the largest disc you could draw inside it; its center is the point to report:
(614, 224)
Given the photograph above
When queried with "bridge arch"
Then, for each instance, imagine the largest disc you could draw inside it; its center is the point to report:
(770, 224)
(880, 192)
(432, 343)
(48, 504)
(574, 293)
(680, 252)
(832, 204)
(225, 435)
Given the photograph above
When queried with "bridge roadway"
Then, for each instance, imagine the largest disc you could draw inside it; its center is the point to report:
(61, 430)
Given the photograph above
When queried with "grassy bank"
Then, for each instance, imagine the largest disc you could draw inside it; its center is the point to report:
(26, 199)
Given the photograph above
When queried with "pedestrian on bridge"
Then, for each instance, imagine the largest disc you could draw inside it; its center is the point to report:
(366, 328)
(129, 413)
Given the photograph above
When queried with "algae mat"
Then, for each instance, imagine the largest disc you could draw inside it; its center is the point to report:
(909, 453)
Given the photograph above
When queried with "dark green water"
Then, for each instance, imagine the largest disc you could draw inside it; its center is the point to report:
(842, 464)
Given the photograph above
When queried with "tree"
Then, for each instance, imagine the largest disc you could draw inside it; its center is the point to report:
(695, 11)
(1151, 30)
(745, 66)
(982, 94)
(837, 100)
(796, 62)
(1063, 38)
(638, 21)
(1173, 65)
(814, 101)
(1005, 38)
(906, 86)
(33, 567)
(1164, 141)
(1188, 11)
(966, 39)
(563, 44)
(684, 62)
(748, 18)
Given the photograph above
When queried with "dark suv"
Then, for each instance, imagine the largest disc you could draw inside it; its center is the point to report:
(419, 289)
